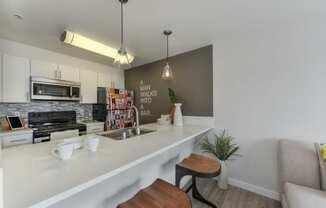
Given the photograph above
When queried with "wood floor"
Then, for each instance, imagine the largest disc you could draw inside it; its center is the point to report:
(232, 198)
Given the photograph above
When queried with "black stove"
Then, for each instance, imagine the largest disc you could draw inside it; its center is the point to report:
(45, 123)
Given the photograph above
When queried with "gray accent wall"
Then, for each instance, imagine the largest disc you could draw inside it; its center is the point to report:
(193, 84)
(83, 111)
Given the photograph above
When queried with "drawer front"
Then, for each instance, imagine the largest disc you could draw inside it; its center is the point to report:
(95, 128)
(8, 141)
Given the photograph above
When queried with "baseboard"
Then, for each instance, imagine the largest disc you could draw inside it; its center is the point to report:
(255, 189)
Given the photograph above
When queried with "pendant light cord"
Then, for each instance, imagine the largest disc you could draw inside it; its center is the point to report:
(121, 37)
(167, 48)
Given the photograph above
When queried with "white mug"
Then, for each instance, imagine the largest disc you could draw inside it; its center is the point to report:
(92, 144)
(64, 151)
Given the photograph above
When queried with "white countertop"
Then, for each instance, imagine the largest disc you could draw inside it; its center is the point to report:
(35, 178)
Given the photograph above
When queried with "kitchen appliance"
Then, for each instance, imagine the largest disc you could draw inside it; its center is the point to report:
(114, 107)
(52, 89)
(45, 123)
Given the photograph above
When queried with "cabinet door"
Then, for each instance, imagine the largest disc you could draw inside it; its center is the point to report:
(88, 81)
(14, 140)
(69, 73)
(118, 80)
(16, 72)
(1, 66)
(104, 80)
(44, 69)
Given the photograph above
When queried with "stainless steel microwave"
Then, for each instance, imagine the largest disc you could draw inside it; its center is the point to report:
(52, 89)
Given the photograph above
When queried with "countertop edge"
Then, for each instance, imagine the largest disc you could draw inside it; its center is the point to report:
(66, 194)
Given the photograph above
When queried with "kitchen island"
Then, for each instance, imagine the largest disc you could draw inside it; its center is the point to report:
(34, 178)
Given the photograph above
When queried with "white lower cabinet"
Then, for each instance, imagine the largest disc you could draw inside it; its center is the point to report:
(94, 127)
(15, 79)
(88, 81)
(17, 139)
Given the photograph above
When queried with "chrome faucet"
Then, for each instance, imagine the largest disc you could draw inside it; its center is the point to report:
(137, 119)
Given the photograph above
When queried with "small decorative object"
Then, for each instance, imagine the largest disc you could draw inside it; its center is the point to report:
(222, 148)
(64, 151)
(173, 99)
(178, 119)
(165, 120)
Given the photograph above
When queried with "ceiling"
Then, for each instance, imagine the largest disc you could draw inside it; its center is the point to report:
(195, 23)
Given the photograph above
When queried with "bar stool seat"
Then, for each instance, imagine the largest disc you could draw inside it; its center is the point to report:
(197, 166)
(160, 194)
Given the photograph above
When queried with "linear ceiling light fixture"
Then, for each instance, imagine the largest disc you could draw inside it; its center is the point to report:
(83, 42)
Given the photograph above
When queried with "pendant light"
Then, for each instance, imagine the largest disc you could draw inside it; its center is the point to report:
(122, 57)
(167, 70)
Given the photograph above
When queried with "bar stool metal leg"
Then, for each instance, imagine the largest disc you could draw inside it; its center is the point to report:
(179, 173)
(197, 166)
(197, 195)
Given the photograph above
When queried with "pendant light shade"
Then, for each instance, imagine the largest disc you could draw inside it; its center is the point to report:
(167, 73)
(122, 58)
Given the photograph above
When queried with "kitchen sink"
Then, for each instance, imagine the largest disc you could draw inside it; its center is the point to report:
(126, 133)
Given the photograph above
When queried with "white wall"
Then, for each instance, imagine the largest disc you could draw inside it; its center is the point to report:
(270, 83)
(22, 50)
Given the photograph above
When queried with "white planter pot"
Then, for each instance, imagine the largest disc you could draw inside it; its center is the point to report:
(223, 178)
(178, 119)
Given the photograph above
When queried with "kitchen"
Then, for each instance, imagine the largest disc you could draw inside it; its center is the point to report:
(46, 117)
(79, 132)
(162, 103)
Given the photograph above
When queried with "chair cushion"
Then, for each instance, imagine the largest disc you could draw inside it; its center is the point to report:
(298, 164)
(304, 197)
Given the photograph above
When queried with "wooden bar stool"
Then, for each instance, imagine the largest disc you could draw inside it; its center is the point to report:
(160, 194)
(197, 166)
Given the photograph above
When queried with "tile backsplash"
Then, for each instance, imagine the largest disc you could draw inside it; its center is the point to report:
(84, 111)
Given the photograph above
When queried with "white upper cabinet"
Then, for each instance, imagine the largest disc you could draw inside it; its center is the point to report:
(68, 73)
(1, 58)
(44, 69)
(111, 79)
(118, 80)
(88, 81)
(104, 80)
(54, 71)
(15, 79)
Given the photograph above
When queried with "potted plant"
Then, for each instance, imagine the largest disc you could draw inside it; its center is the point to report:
(173, 99)
(223, 149)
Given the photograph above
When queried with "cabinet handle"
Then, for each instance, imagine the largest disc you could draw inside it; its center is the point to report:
(18, 140)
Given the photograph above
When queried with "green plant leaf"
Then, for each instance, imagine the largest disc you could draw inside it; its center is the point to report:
(172, 95)
(222, 147)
